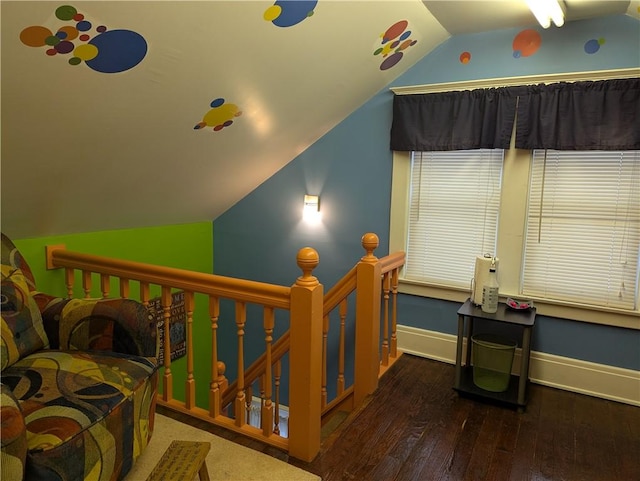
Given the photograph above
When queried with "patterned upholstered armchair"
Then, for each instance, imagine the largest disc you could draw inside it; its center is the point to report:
(79, 381)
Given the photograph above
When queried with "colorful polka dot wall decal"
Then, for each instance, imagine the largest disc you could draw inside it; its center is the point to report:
(393, 43)
(593, 45)
(220, 116)
(287, 13)
(465, 57)
(101, 49)
(526, 43)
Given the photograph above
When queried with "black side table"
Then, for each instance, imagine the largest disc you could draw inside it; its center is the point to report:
(516, 393)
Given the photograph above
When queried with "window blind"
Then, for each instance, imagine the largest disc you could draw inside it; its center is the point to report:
(453, 214)
(583, 228)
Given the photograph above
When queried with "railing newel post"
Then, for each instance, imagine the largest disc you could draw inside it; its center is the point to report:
(305, 356)
(368, 295)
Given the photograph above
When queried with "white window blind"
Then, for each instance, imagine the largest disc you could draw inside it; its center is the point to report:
(583, 228)
(453, 214)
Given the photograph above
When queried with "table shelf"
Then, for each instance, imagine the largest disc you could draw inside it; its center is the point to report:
(516, 392)
(467, 387)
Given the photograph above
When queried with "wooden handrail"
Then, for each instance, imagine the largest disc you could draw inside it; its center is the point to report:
(392, 261)
(340, 291)
(211, 284)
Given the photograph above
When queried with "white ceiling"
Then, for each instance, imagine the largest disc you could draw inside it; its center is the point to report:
(473, 16)
(84, 150)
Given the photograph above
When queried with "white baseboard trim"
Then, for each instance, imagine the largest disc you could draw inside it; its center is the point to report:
(599, 380)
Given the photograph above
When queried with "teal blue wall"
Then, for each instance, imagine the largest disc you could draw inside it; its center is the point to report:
(350, 168)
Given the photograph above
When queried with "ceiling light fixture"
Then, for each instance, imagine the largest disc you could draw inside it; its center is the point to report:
(545, 11)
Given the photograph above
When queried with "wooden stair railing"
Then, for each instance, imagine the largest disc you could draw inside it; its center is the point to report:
(337, 297)
(373, 282)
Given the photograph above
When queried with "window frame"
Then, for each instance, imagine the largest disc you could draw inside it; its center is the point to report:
(512, 214)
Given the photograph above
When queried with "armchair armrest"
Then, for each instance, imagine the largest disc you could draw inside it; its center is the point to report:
(13, 436)
(117, 325)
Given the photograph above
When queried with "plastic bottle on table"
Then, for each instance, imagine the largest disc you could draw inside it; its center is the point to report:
(490, 293)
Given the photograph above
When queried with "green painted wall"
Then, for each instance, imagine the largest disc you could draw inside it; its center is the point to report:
(187, 246)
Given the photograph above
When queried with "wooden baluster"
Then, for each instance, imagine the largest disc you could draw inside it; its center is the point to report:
(69, 281)
(262, 402)
(190, 387)
(248, 400)
(105, 285)
(325, 342)
(215, 397)
(262, 389)
(86, 284)
(144, 293)
(266, 414)
(241, 319)
(386, 287)
(341, 346)
(167, 385)
(124, 288)
(394, 312)
(276, 412)
(223, 382)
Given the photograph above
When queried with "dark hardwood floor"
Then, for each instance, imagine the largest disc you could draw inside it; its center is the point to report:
(416, 427)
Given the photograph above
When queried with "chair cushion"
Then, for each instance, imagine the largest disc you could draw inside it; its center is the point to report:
(88, 414)
(119, 325)
(22, 328)
(13, 435)
(10, 256)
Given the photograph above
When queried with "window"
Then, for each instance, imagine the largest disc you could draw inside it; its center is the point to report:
(511, 245)
(453, 214)
(583, 228)
(523, 264)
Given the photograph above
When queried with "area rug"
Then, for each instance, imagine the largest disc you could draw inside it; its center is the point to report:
(226, 460)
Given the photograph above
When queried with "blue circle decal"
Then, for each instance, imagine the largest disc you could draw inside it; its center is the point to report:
(118, 50)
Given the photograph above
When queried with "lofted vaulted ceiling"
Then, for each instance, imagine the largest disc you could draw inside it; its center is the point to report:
(129, 114)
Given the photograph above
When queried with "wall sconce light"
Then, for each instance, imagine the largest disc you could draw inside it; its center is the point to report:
(311, 209)
(545, 11)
